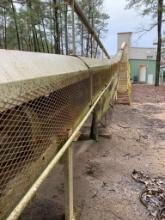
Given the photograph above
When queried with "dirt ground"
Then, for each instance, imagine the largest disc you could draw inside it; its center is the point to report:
(104, 189)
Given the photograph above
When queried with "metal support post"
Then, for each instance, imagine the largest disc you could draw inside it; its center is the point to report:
(69, 209)
(94, 127)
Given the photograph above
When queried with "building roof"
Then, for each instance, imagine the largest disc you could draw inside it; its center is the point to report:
(140, 53)
(125, 32)
(145, 48)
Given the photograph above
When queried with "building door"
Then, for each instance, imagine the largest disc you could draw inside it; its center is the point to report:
(142, 73)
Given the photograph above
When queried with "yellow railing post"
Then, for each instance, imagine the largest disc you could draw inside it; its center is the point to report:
(69, 207)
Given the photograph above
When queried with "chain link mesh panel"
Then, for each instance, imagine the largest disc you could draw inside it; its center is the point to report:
(107, 99)
(36, 118)
(31, 134)
(100, 78)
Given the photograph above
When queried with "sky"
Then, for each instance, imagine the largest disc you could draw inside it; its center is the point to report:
(123, 20)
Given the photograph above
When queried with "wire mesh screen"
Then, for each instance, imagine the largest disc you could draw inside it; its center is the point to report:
(101, 76)
(36, 121)
(31, 134)
(107, 99)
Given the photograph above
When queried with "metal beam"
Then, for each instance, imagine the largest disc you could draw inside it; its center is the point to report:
(86, 23)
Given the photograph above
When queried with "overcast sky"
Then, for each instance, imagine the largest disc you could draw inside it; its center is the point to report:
(122, 20)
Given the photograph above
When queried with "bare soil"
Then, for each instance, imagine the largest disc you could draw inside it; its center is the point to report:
(104, 189)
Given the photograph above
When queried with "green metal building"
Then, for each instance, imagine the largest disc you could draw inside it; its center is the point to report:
(142, 61)
(135, 65)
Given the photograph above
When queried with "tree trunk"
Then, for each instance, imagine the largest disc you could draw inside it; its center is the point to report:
(82, 40)
(91, 46)
(16, 24)
(29, 38)
(34, 32)
(51, 28)
(87, 45)
(97, 45)
(92, 23)
(158, 57)
(37, 45)
(56, 28)
(88, 35)
(61, 34)
(5, 30)
(46, 40)
(66, 30)
(41, 39)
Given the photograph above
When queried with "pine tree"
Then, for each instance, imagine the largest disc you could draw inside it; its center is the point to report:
(45, 26)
